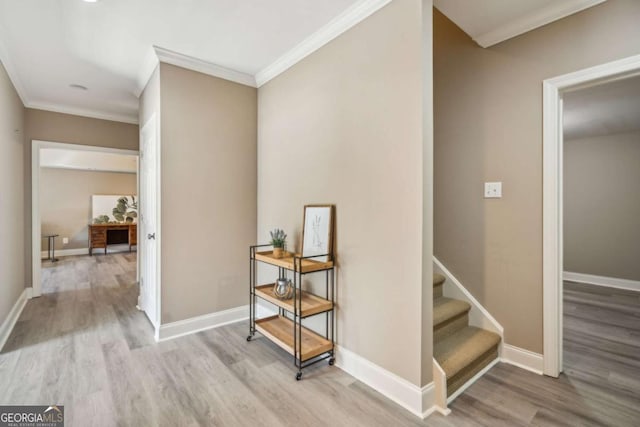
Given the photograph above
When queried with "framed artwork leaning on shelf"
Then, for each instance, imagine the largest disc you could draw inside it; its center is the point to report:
(317, 232)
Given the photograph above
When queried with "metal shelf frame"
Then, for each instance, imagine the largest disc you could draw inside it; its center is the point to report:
(295, 317)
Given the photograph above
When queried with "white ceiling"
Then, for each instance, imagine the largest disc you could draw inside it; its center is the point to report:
(60, 158)
(492, 21)
(605, 109)
(108, 46)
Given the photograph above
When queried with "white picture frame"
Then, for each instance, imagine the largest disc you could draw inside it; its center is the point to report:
(317, 232)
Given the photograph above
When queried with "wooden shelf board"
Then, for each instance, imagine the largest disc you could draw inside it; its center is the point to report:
(311, 304)
(308, 265)
(279, 329)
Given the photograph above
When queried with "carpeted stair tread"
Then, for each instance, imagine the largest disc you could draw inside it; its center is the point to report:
(438, 279)
(445, 309)
(461, 349)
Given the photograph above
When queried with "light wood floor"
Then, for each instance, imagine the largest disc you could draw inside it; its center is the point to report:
(85, 345)
(84, 272)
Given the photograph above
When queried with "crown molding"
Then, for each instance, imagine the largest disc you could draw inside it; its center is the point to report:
(343, 22)
(149, 65)
(170, 57)
(83, 112)
(534, 20)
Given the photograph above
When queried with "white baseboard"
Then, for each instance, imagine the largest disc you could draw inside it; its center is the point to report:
(66, 252)
(202, 323)
(440, 388)
(478, 315)
(612, 282)
(408, 395)
(85, 251)
(522, 358)
(7, 326)
(399, 390)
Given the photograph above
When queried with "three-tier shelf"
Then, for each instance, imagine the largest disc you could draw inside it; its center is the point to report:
(285, 328)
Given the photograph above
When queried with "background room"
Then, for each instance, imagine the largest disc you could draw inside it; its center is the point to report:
(88, 201)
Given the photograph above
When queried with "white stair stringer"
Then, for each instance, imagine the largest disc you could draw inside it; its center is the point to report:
(478, 315)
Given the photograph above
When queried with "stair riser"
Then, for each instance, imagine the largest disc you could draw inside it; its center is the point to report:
(437, 291)
(449, 327)
(457, 381)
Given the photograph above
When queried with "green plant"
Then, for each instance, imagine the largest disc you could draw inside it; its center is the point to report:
(102, 219)
(278, 238)
(125, 211)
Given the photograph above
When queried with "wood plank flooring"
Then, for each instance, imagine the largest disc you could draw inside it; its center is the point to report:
(83, 344)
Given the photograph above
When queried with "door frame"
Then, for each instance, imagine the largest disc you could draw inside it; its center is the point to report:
(553, 90)
(36, 241)
(153, 121)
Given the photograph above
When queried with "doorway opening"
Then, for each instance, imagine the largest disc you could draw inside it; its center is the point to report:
(558, 93)
(84, 219)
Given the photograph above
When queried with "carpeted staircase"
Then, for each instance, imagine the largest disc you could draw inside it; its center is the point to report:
(461, 350)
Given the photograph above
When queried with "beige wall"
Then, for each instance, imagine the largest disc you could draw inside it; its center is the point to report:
(602, 206)
(208, 206)
(344, 126)
(12, 216)
(488, 127)
(427, 191)
(65, 201)
(57, 127)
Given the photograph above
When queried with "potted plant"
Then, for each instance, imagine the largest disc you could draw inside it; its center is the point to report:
(278, 238)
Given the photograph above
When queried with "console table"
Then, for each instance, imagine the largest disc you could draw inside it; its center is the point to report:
(102, 235)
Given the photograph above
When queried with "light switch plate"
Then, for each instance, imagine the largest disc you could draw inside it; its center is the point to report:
(492, 190)
(65, 240)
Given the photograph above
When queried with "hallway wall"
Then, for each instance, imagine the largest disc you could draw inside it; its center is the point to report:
(65, 201)
(488, 127)
(344, 126)
(602, 206)
(58, 127)
(12, 215)
(208, 188)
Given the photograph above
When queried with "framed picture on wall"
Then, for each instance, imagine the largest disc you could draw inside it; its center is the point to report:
(317, 232)
(114, 209)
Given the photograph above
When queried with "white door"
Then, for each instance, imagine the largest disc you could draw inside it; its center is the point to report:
(148, 237)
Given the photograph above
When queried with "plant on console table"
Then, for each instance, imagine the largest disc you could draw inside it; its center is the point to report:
(278, 238)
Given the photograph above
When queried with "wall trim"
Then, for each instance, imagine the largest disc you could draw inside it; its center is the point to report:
(189, 62)
(10, 322)
(66, 252)
(334, 28)
(522, 358)
(532, 21)
(406, 394)
(481, 317)
(393, 387)
(440, 388)
(611, 282)
(552, 182)
(21, 89)
(82, 112)
(85, 251)
(340, 24)
(197, 324)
